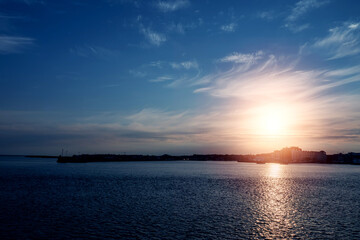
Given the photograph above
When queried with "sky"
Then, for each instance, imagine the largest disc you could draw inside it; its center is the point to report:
(179, 76)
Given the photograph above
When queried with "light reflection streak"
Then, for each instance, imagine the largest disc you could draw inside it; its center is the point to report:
(274, 208)
(274, 170)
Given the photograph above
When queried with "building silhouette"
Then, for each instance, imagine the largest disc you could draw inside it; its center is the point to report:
(292, 155)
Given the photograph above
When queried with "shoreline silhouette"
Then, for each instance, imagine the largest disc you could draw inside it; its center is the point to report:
(283, 156)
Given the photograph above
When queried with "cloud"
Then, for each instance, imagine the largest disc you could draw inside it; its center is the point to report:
(146, 131)
(221, 128)
(319, 101)
(11, 44)
(4, 16)
(181, 28)
(170, 6)
(270, 77)
(242, 81)
(248, 58)
(153, 37)
(178, 27)
(134, 3)
(137, 73)
(171, 74)
(157, 64)
(273, 78)
(302, 7)
(342, 41)
(297, 28)
(229, 27)
(268, 15)
(343, 72)
(185, 65)
(161, 79)
(205, 89)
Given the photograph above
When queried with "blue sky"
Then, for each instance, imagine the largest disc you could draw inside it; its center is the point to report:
(179, 76)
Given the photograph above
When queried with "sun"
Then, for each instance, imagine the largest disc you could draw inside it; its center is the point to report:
(273, 120)
(273, 124)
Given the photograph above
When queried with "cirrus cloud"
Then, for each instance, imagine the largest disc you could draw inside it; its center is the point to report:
(170, 6)
(342, 41)
(243, 58)
(153, 37)
(12, 44)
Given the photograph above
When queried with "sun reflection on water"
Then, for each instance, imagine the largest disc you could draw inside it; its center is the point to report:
(275, 209)
(274, 170)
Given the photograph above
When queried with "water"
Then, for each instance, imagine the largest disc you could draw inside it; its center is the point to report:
(40, 199)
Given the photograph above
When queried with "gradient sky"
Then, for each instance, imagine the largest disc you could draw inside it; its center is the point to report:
(179, 76)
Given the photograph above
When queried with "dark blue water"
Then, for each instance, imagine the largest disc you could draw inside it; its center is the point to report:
(40, 199)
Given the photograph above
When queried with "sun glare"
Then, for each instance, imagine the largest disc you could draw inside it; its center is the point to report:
(273, 123)
(273, 120)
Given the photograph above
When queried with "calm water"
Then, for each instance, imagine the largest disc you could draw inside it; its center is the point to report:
(40, 199)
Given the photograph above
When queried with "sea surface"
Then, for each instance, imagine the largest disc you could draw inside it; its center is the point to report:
(42, 199)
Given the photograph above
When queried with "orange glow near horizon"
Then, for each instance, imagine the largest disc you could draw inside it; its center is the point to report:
(270, 126)
(275, 112)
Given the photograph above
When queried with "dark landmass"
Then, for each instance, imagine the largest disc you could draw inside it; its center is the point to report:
(165, 157)
(41, 156)
(283, 156)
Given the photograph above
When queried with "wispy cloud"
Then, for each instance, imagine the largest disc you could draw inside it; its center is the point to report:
(161, 79)
(166, 65)
(301, 8)
(145, 131)
(220, 129)
(4, 16)
(176, 27)
(182, 28)
(170, 6)
(343, 72)
(271, 77)
(185, 65)
(229, 27)
(243, 82)
(310, 96)
(157, 64)
(135, 3)
(304, 6)
(268, 15)
(171, 74)
(247, 58)
(137, 73)
(341, 41)
(12, 44)
(297, 28)
(153, 37)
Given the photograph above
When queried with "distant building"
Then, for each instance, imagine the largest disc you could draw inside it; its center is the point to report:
(297, 155)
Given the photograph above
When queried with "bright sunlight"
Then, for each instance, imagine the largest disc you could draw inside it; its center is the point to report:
(273, 120)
